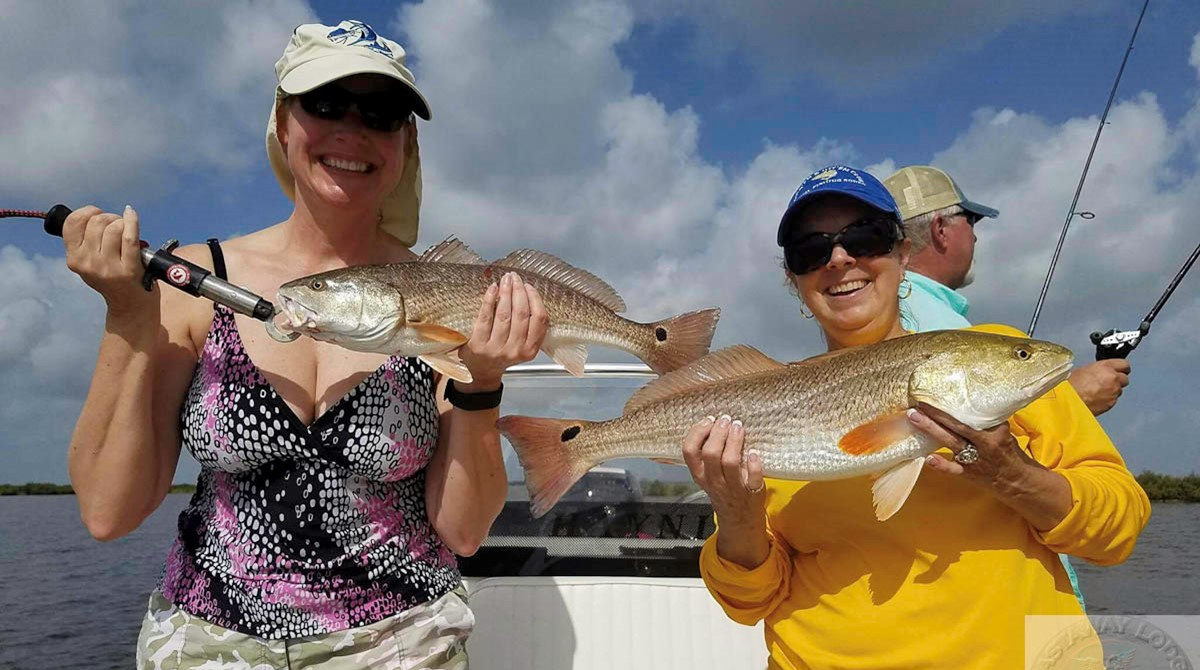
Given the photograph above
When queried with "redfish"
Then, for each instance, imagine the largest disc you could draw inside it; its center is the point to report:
(426, 308)
(834, 416)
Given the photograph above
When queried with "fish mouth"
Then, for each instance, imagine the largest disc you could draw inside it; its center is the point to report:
(1053, 378)
(300, 317)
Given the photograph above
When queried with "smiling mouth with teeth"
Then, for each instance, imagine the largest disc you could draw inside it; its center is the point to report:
(846, 288)
(347, 165)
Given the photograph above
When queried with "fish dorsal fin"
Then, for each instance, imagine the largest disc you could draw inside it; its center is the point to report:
(451, 250)
(739, 360)
(820, 358)
(555, 269)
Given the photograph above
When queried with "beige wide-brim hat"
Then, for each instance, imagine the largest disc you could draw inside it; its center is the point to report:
(317, 55)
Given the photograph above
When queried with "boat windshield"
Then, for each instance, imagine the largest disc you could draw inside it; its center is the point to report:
(629, 517)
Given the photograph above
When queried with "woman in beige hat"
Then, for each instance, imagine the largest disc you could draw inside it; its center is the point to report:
(335, 487)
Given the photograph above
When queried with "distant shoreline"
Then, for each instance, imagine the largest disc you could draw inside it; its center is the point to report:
(1159, 488)
(46, 489)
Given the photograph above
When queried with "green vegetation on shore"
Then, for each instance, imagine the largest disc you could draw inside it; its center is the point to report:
(1158, 487)
(1167, 487)
(44, 489)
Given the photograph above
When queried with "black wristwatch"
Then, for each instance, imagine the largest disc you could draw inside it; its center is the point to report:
(473, 401)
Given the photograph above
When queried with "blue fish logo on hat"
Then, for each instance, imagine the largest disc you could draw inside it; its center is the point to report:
(857, 184)
(358, 34)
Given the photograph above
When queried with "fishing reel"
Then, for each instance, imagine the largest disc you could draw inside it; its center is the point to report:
(1116, 343)
(1119, 343)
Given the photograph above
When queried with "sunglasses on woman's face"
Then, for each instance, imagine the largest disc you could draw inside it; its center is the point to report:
(870, 236)
(383, 111)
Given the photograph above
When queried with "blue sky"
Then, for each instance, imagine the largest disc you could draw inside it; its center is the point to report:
(651, 142)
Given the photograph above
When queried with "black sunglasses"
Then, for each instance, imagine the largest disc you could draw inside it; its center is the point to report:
(971, 217)
(384, 111)
(870, 236)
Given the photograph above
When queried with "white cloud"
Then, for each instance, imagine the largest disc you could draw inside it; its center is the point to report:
(50, 324)
(672, 231)
(1029, 170)
(522, 101)
(539, 139)
(126, 92)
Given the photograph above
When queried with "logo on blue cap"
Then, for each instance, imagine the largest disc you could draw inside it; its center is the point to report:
(857, 184)
(358, 34)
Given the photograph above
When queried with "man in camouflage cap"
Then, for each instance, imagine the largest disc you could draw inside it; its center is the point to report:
(940, 221)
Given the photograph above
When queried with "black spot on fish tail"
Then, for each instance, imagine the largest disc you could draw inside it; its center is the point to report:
(660, 333)
(570, 433)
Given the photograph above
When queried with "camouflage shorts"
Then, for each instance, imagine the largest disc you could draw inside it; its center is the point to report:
(428, 636)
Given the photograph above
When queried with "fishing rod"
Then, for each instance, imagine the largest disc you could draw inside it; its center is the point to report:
(1118, 344)
(162, 265)
(1071, 213)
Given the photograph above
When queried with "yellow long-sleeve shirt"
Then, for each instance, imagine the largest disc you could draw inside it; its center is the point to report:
(948, 580)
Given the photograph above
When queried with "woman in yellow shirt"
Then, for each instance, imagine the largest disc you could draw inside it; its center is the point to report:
(946, 582)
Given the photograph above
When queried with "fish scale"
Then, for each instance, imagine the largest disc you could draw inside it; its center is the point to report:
(449, 293)
(428, 307)
(796, 438)
(831, 417)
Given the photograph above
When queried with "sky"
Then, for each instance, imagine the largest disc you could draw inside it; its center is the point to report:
(654, 143)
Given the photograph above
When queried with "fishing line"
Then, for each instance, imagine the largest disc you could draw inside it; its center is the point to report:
(1083, 177)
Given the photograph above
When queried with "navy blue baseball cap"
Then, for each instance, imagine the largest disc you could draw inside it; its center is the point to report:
(857, 184)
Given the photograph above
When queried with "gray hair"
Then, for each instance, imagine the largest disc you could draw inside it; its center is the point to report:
(917, 228)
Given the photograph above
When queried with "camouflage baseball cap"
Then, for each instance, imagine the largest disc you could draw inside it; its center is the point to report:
(920, 189)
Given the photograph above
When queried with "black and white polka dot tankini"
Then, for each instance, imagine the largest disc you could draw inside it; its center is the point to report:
(301, 530)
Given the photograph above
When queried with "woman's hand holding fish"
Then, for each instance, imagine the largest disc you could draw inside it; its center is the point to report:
(104, 250)
(712, 450)
(509, 329)
(1039, 494)
(1000, 457)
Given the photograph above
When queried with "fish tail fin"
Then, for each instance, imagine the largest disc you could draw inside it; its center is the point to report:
(548, 455)
(681, 339)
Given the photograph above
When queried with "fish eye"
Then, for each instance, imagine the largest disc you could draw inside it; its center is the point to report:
(1022, 353)
(317, 285)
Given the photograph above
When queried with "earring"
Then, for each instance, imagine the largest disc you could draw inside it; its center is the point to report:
(803, 312)
(906, 286)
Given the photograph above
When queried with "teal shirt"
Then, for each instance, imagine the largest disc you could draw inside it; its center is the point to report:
(934, 306)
